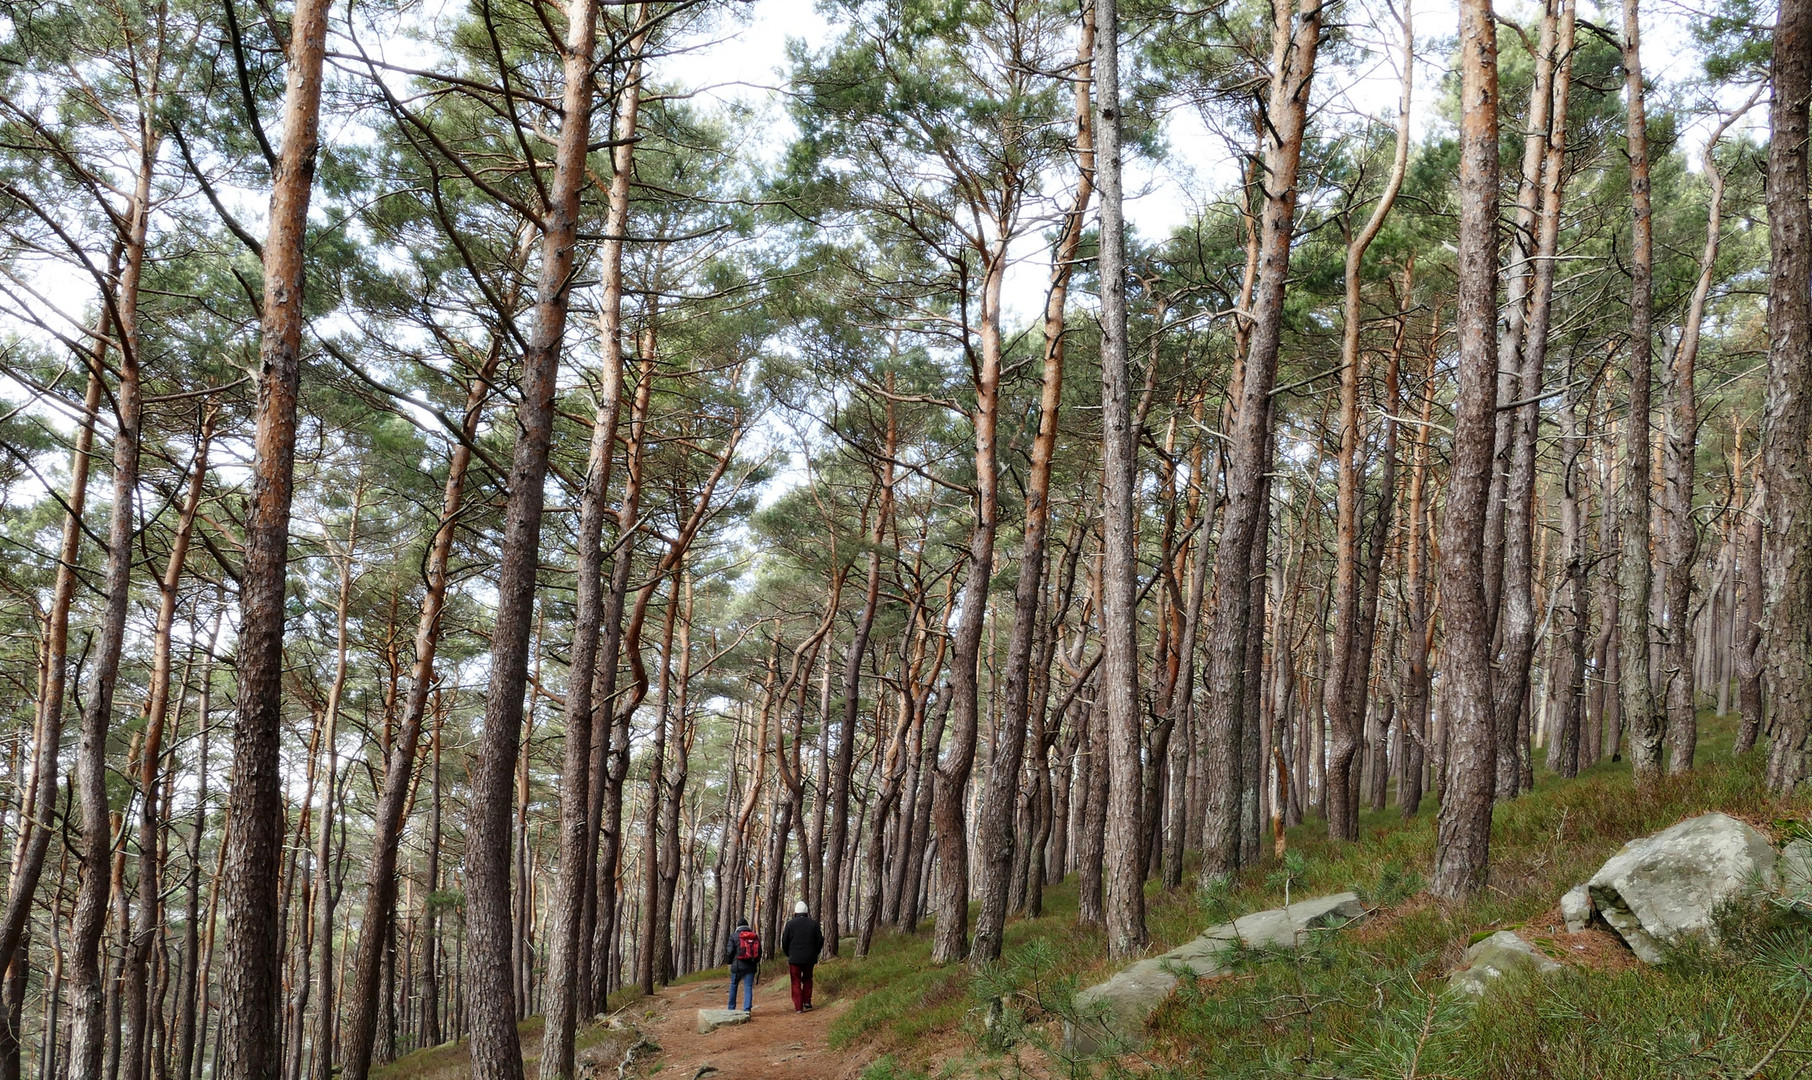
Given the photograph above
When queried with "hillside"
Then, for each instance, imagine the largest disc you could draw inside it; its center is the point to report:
(1367, 1003)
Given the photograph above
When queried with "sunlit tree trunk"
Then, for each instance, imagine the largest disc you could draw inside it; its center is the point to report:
(949, 792)
(249, 1041)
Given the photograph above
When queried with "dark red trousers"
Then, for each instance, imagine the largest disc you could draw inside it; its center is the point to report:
(802, 985)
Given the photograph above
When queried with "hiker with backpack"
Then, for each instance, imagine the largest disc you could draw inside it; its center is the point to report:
(801, 940)
(743, 952)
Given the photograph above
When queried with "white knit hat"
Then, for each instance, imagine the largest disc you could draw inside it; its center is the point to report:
(800, 908)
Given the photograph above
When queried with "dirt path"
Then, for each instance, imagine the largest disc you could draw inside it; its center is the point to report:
(776, 1043)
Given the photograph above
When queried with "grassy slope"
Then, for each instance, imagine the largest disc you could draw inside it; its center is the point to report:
(1366, 1003)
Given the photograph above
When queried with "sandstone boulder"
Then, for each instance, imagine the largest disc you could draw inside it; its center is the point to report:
(1794, 871)
(1118, 1008)
(1665, 890)
(710, 1020)
(1576, 908)
(1501, 954)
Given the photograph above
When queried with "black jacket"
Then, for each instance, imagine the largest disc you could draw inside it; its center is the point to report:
(802, 940)
(738, 967)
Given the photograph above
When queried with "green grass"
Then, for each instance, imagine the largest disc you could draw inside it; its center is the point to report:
(1365, 1003)
(1368, 1003)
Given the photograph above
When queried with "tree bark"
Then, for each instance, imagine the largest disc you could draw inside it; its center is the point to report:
(570, 987)
(838, 832)
(1295, 38)
(1787, 431)
(1526, 346)
(325, 894)
(39, 801)
(1122, 857)
(249, 1040)
(951, 941)
(87, 1028)
(1416, 687)
(195, 974)
(1635, 577)
(359, 1034)
(1750, 661)
(496, 1048)
(1463, 834)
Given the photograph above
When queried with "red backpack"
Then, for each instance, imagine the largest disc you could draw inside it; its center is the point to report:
(748, 945)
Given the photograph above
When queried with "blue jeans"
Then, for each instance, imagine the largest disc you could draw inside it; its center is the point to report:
(748, 996)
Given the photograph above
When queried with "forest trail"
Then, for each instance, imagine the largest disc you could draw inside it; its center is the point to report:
(775, 1043)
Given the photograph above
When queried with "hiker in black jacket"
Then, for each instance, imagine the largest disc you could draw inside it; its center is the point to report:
(802, 940)
(743, 953)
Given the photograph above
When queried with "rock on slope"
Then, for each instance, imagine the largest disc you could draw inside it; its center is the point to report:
(1496, 956)
(1118, 1008)
(1664, 890)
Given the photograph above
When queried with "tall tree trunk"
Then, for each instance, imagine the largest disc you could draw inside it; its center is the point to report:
(38, 801)
(361, 999)
(1640, 718)
(1182, 704)
(1568, 679)
(249, 1041)
(570, 987)
(1751, 663)
(1295, 38)
(1372, 573)
(949, 791)
(838, 833)
(146, 921)
(1123, 858)
(87, 1029)
(1679, 535)
(325, 893)
(1787, 434)
(195, 973)
(1463, 835)
(994, 828)
(496, 1048)
(647, 968)
(612, 768)
(1346, 687)
(1416, 747)
(1605, 715)
(1525, 351)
